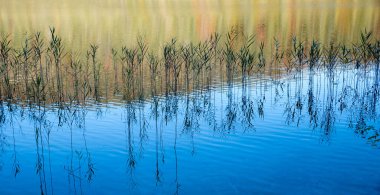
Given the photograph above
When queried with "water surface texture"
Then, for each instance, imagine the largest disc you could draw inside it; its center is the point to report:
(189, 97)
(114, 23)
(315, 133)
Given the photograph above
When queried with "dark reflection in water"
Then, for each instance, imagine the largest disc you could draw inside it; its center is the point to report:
(257, 134)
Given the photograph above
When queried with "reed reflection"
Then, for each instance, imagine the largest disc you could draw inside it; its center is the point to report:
(334, 92)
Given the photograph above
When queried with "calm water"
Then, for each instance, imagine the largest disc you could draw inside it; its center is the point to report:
(272, 133)
(115, 23)
(295, 134)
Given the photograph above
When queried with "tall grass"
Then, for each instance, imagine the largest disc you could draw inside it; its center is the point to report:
(246, 57)
(95, 70)
(44, 71)
(230, 54)
(38, 80)
(142, 50)
(5, 52)
(56, 50)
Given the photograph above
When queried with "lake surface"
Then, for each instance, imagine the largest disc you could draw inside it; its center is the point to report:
(113, 23)
(315, 133)
(162, 102)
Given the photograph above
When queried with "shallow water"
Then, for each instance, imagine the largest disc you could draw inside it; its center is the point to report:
(294, 134)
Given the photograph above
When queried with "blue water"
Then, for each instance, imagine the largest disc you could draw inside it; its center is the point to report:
(288, 135)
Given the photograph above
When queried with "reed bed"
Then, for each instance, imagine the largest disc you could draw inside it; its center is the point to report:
(45, 72)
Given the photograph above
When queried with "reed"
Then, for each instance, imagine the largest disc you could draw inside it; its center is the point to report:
(187, 55)
(56, 49)
(76, 72)
(230, 55)
(314, 54)
(41, 71)
(214, 44)
(16, 73)
(142, 50)
(345, 55)
(261, 57)
(202, 65)
(246, 57)
(95, 70)
(153, 66)
(171, 58)
(26, 56)
(129, 57)
(106, 70)
(298, 53)
(123, 59)
(365, 47)
(5, 50)
(115, 71)
(86, 86)
(277, 57)
(39, 85)
(330, 57)
(375, 51)
(176, 71)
